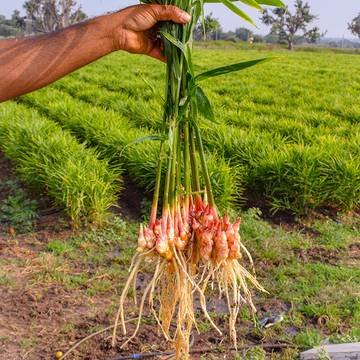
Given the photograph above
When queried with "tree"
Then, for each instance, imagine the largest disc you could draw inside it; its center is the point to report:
(52, 15)
(17, 21)
(12, 26)
(287, 26)
(243, 34)
(354, 26)
(209, 29)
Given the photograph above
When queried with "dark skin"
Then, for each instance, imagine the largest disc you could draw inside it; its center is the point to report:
(28, 64)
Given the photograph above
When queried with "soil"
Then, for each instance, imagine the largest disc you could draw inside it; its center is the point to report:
(319, 254)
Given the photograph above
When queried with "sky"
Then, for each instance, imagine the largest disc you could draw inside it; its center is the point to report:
(333, 15)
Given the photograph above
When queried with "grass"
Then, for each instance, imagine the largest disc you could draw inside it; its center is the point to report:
(52, 161)
(309, 285)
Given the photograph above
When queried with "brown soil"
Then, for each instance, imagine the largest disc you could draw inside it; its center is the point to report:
(354, 250)
(319, 254)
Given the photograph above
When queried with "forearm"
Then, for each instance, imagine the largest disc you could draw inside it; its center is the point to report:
(30, 63)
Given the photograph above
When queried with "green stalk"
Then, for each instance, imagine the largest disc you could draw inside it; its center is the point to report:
(178, 163)
(155, 201)
(204, 166)
(172, 195)
(167, 182)
(187, 173)
(194, 168)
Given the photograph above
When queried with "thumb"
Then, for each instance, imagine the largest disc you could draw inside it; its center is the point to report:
(169, 13)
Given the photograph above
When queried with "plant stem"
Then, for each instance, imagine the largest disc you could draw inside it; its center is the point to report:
(155, 201)
(194, 169)
(204, 166)
(172, 195)
(187, 173)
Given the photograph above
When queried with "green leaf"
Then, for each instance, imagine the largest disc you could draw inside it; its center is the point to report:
(203, 104)
(139, 140)
(203, 17)
(228, 69)
(146, 138)
(238, 11)
(185, 49)
(277, 3)
(174, 41)
(253, 4)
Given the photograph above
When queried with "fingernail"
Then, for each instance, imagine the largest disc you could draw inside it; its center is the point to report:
(185, 16)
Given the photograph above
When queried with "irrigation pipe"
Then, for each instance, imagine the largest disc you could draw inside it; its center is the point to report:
(200, 351)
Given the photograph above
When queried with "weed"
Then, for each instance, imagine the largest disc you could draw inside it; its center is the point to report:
(69, 327)
(59, 247)
(4, 280)
(308, 338)
(288, 354)
(99, 286)
(17, 211)
(322, 354)
(349, 337)
(4, 338)
(28, 343)
(255, 353)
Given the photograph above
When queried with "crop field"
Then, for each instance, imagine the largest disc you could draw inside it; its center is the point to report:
(285, 140)
(286, 131)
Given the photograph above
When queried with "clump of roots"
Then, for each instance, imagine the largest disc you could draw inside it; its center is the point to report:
(187, 266)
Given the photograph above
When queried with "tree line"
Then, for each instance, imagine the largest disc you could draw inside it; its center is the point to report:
(285, 27)
(43, 16)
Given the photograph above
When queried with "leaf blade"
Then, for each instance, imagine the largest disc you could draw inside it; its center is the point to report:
(174, 41)
(146, 138)
(238, 11)
(254, 4)
(228, 69)
(203, 104)
(277, 3)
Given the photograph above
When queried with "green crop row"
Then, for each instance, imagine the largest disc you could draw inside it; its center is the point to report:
(114, 138)
(50, 158)
(296, 175)
(266, 117)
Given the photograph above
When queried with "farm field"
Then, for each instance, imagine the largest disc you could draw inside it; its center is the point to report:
(286, 140)
(288, 129)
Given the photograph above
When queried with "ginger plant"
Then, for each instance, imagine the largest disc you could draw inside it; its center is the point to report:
(190, 243)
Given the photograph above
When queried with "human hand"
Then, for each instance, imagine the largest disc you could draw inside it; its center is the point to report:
(135, 28)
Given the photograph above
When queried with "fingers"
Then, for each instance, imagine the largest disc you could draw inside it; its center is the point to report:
(169, 13)
(157, 53)
(157, 50)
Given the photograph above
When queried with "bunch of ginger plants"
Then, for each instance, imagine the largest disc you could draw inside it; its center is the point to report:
(192, 246)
